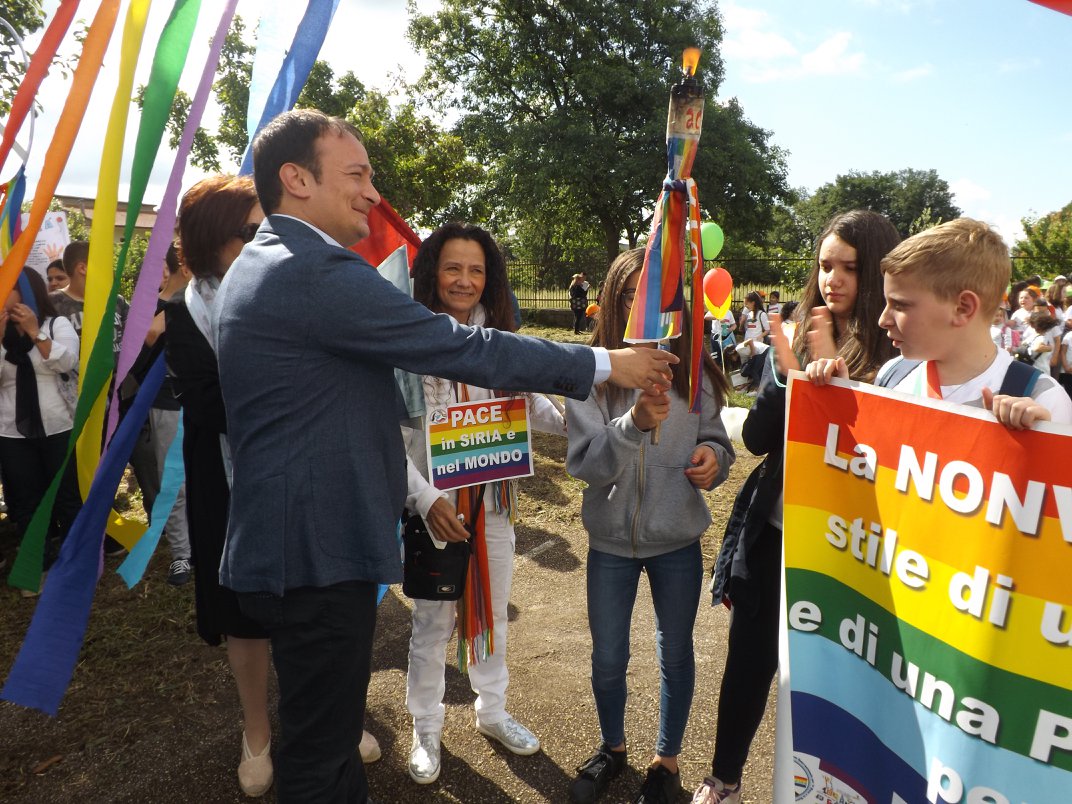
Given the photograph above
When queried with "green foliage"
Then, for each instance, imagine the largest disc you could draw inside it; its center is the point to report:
(1046, 249)
(909, 198)
(564, 104)
(26, 17)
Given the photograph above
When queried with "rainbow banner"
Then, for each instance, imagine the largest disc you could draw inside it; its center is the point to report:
(478, 442)
(927, 636)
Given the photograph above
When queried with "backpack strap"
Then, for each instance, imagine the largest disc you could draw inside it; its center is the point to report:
(897, 372)
(1020, 379)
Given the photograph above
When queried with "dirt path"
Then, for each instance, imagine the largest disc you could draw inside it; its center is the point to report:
(152, 714)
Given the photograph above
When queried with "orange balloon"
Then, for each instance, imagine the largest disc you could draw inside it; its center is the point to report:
(591, 310)
(717, 287)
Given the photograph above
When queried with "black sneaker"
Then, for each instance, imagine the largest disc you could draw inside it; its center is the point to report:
(595, 774)
(112, 548)
(179, 572)
(660, 786)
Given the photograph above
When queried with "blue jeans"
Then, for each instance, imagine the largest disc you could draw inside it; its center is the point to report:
(675, 579)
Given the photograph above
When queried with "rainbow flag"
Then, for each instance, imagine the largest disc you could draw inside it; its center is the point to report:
(926, 633)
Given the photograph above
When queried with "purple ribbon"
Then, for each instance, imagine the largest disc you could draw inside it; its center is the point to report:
(143, 302)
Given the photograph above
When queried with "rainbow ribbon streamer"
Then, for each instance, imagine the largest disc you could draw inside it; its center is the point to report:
(48, 655)
(308, 39)
(10, 213)
(35, 73)
(659, 307)
(26, 571)
(59, 149)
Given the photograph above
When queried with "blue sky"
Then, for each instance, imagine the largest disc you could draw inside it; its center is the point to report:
(978, 90)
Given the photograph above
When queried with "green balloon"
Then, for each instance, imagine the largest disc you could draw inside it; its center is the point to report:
(712, 238)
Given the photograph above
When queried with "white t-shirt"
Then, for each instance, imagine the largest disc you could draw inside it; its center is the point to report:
(1047, 392)
(755, 326)
(1001, 336)
(1018, 320)
(1067, 341)
(1036, 343)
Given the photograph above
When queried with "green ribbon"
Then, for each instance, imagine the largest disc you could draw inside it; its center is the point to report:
(168, 61)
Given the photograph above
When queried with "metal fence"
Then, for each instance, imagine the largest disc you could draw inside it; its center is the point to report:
(535, 287)
(535, 284)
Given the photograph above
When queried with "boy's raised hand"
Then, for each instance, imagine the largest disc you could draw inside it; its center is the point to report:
(1015, 412)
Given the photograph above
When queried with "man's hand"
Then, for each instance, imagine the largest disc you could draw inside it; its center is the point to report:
(704, 467)
(443, 521)
(1015, 412)
(641, 367)
(650, 408)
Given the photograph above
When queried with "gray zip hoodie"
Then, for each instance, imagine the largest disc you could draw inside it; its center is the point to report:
(639, 503)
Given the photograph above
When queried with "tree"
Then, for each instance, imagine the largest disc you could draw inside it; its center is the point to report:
(565, 103)
(911, 199)
(1047, 245)
(424, 171)
(25, 16)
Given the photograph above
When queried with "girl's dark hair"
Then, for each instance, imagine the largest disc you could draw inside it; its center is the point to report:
(45, 307)
(1041, 320)
(610, 330)
(498, 310)
(756, 299)
(210, 214)
(864, 344)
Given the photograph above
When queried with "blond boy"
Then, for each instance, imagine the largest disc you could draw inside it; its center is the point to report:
(941, 288)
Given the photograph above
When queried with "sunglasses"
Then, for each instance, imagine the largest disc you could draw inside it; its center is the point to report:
(247, 231)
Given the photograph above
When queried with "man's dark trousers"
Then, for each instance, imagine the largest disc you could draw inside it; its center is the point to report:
(322, 651)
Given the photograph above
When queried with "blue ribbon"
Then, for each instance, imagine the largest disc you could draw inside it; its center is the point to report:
(27, 293)
(48, 655)
(308, 39)
(174, 475)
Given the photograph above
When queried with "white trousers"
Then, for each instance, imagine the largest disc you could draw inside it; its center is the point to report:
(433, 623)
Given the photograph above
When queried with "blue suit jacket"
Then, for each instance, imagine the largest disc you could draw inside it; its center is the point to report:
(309, 334)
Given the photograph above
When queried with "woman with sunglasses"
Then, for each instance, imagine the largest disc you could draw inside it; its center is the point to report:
(217, 217)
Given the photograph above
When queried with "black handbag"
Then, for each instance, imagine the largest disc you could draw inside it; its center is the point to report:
(430, 572)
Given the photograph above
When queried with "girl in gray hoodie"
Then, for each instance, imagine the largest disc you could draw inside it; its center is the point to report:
(644, 512)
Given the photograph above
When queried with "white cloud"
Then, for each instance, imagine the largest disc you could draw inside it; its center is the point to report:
(968, 192)
(754, 46)
(832, 57)
(1018, 65)
(912, 74)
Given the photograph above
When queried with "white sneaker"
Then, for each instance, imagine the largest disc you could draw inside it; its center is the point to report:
(424, 758)
(714, 791)
(369, 748)
(511, 734)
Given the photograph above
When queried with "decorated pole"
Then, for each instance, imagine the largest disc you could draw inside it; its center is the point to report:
(659, 307)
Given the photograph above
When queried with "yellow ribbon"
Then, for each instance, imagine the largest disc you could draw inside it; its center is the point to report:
(99, 271)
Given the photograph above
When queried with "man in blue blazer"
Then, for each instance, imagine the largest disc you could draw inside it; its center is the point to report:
(308, 337)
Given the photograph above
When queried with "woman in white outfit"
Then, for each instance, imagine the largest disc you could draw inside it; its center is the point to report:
(460, 271)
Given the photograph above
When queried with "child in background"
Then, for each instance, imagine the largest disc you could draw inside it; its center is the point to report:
(644, 513)
(939, 284)
(1064, 363)
(1001, 333)
(1028, 298)
(1041, 339)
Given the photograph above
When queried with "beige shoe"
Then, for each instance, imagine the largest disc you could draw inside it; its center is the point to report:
(255, 772)
(369, 748)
